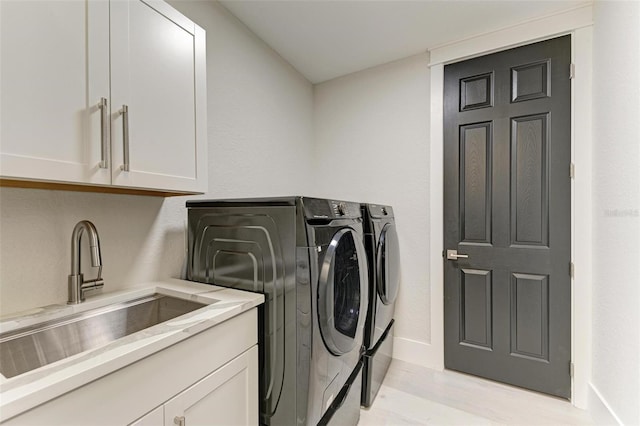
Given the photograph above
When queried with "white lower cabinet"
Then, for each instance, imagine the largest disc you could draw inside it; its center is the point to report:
(208, 379)
(226, 397)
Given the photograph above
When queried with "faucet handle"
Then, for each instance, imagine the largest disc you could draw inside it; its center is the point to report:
(92, 284)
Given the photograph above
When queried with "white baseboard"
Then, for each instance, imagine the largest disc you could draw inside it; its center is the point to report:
(419, 353)
(600, 411)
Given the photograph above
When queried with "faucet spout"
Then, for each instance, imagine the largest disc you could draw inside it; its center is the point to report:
(77, 285)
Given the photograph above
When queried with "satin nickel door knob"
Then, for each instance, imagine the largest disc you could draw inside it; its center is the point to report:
(453, 255)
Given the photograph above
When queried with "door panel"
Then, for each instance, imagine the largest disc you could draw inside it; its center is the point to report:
(507, 207)
(530, 316)
(529, 178)
(475, 182)
(476, 92)
(530, 81)
(476, 308)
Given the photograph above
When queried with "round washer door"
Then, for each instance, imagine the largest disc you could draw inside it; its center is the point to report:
(388, 264)
(342, 292)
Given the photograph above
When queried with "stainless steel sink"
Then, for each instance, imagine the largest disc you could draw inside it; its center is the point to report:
(29, 348)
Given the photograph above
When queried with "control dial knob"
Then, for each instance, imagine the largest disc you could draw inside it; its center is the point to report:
(342, 209)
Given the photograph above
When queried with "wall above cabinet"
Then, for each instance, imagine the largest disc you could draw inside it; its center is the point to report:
(102, 96)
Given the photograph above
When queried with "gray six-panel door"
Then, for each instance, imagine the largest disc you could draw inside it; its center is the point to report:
(507, 204)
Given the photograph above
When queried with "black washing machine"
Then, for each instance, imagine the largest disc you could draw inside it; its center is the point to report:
(381, 244)
(308, 258)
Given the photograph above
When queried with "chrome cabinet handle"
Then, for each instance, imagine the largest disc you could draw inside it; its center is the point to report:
(180, 421)
(104, 160)
(125, 137)
(453, 255)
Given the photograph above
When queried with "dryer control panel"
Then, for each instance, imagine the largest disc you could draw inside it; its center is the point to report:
(378, 211)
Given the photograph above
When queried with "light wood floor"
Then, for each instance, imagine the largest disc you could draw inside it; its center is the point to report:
(414, 395)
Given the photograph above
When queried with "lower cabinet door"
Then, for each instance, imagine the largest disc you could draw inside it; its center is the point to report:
(228, 396)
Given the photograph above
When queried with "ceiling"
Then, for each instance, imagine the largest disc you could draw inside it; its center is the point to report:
(325, 39)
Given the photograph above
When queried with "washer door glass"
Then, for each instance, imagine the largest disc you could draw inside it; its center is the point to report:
(388, 264)
(342, 293)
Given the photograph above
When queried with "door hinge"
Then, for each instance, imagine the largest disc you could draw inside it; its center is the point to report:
(572, 171)
(571, 369)
(442, 253)
(572, 71)
(572, 269)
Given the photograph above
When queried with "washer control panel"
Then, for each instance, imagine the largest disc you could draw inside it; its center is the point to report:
(318, 208)
(339, 208)
(345, 209)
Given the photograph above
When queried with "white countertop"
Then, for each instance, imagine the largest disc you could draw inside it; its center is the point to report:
(27, 390)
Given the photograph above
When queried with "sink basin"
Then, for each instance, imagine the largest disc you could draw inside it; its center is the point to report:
(29, 348)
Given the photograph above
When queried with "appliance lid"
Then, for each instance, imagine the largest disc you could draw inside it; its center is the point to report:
(244, 202)
(313, 208)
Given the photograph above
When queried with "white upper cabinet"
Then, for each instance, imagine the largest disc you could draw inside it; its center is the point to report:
(62, 60)
(157, 72)
(51, 85)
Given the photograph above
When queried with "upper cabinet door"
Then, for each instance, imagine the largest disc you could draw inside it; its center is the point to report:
(54, 72)
(158, 98)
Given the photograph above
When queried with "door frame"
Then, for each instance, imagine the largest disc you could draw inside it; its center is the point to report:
(577, 22)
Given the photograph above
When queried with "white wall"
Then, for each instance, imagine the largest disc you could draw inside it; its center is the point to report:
(616, 211)
(371, 145)
(260, 128)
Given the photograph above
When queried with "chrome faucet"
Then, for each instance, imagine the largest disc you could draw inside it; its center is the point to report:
(77, 285)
